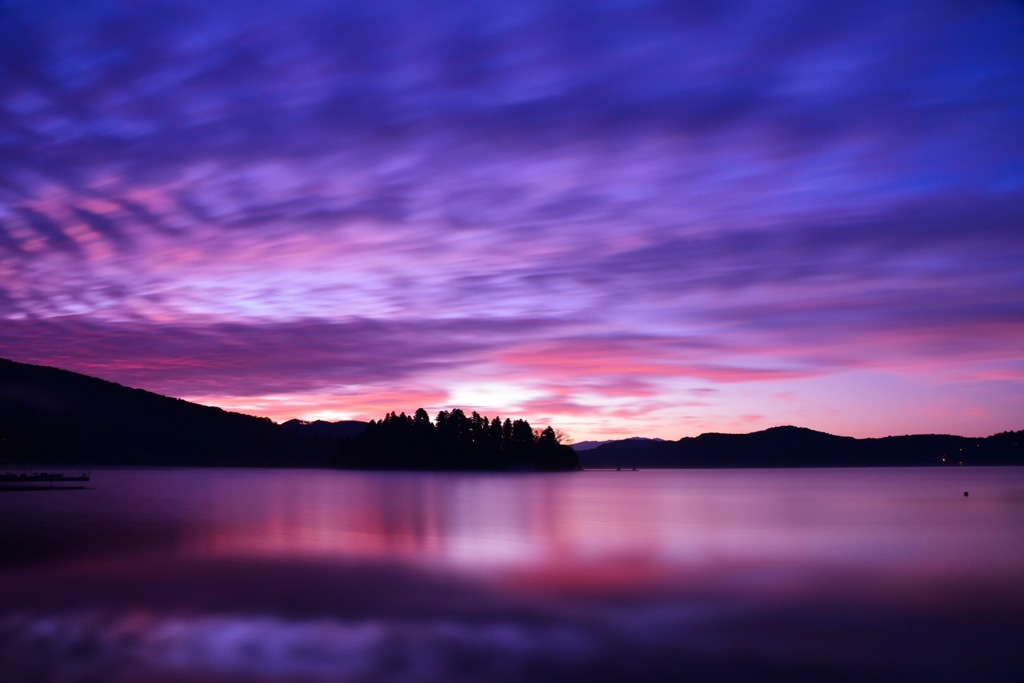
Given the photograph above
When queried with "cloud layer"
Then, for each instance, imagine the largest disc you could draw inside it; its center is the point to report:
(623, 216)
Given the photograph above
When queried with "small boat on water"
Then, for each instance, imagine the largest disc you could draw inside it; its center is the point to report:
(34, 480)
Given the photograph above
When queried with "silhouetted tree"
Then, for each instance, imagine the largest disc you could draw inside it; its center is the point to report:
(456, 442)
(549, 454)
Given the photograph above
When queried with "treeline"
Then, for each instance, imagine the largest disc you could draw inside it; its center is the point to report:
(455, 441)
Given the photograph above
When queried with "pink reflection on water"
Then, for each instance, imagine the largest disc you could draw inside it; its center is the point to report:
(220, 575)
(892, 521)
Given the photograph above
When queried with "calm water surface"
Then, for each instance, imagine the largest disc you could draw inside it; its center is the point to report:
(281, 575)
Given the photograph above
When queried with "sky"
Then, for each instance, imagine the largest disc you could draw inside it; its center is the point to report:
(616, 217)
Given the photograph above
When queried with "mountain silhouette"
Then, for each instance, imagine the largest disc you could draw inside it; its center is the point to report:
(51, 416)
(800, 447)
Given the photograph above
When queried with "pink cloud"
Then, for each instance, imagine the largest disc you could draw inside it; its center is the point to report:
(370, 403)
(628, 357)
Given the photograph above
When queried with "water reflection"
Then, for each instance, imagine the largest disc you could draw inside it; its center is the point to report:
(224, 575)
(878, 519)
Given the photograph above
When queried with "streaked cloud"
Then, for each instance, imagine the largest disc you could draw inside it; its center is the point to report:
(590, 210)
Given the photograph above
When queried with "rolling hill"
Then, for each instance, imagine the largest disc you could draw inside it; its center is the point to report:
(51, 416)
(800, 447)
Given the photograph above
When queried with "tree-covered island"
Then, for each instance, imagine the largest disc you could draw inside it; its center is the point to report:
(455, 441)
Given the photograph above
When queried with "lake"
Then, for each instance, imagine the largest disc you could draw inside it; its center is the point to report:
(717, 575)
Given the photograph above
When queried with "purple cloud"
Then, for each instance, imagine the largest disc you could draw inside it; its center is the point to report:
(805, 190)
(249, 359)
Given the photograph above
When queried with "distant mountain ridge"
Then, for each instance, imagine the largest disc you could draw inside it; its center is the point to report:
(589, 445)
(789, 446)
(52, 416)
